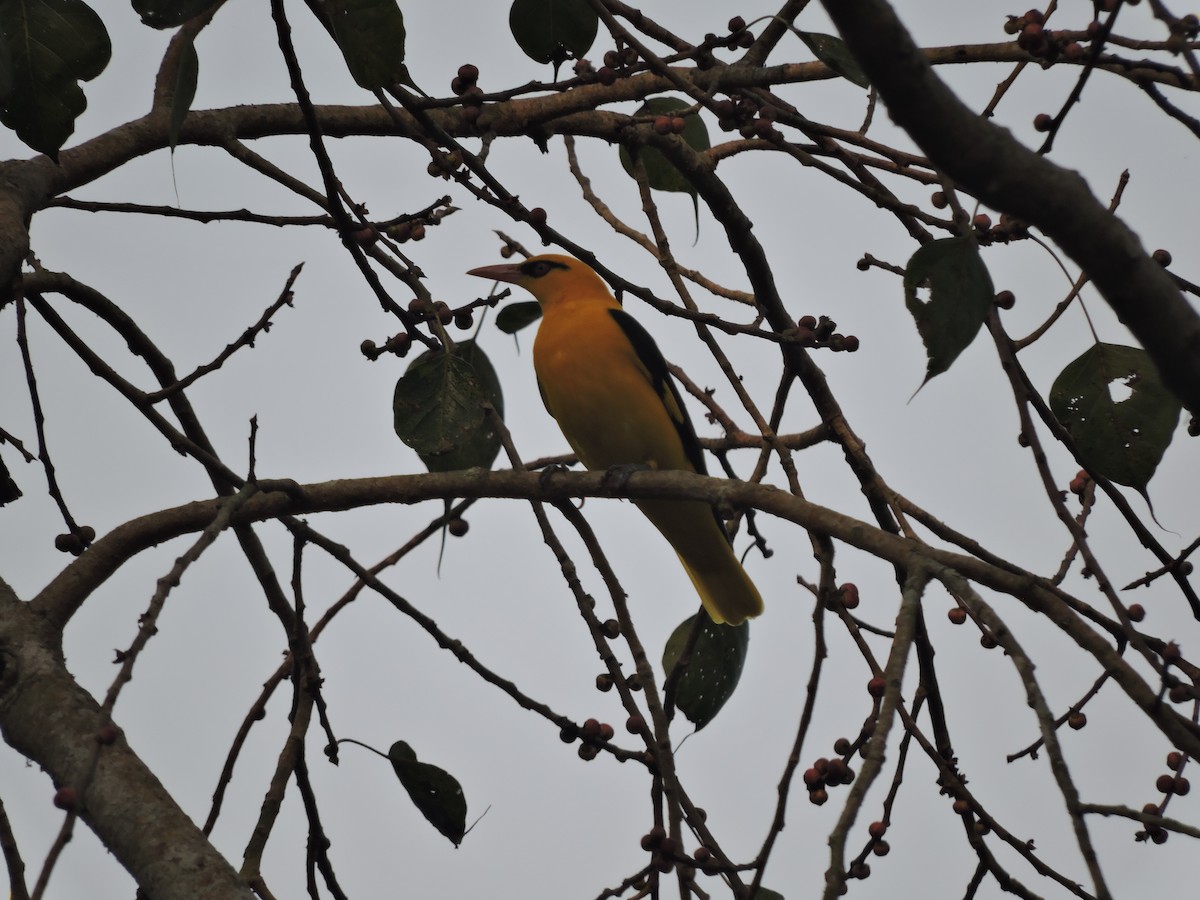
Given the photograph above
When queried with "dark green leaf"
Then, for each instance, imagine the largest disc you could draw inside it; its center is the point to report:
(8, 488)
(834, 53)
(185, 90)
(661, 174)
(767, 894)
(439, 412)
(960, 295)
(169, 13)
(518, 315)
(553, 30)
(435, 792)
(49, 47)
(370, 34)
(713, 669)
(1121, 437)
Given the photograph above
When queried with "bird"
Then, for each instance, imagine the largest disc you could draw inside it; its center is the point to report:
(606, 383)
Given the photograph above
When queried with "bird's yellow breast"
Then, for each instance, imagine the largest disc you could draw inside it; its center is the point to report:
(597, 388)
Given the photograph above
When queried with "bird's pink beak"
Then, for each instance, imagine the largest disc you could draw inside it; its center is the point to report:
(509, 272)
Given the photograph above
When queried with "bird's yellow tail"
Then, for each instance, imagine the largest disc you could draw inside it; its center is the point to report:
(725, 589)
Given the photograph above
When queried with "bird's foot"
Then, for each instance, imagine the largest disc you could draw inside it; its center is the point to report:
(549, 472)
(618, 476)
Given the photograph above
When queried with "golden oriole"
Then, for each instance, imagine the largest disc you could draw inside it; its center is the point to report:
(606, 383)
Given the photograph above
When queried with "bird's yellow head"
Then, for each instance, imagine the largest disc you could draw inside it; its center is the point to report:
(549, 277)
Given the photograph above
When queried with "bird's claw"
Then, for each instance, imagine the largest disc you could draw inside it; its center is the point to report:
(549, 472)
(618, 476)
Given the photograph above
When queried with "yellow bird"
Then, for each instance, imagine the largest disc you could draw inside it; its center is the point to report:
(606, 383)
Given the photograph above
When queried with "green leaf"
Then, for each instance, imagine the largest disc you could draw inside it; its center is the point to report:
(961, 294)
(553, 30)
(170, 13)
(370, 34)
(713, 669)
(438, 408)
(185, 90)
(834, 53)
(767, 894)
(49, 46)
(1120, 415)
(518, 315)
(435, 792)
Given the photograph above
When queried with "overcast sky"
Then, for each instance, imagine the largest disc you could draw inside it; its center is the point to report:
(558, 827)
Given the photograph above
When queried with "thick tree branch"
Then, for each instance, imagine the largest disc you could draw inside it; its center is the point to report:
(49, 718)
(63, 596)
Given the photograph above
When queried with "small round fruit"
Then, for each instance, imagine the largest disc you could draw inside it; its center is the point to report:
(957, 615)
(1043, 122)
(458, 527)
(1006, 299)
(1162, 257)
(537, 216)
(877, 829)
(1077, 720)
(1136, 612)
(66, 798)
(876, 686)
(848, 594)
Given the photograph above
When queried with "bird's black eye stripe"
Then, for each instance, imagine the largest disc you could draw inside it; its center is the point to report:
(539, 268)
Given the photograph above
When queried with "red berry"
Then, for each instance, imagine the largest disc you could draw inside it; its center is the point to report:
(1136, 612)
(66, 798)
(1006, 299)
(537, 216)
(848, 594)
(876, 686)
(812, 779)
(1165, 784)
(458, 527)
(882, 848)
(818, 797)
(1182, 786)
(663, 125)
(468, 73)
(1174, 758)
(877, 829)
(1162, 257)
(1043, 122)
(939, 200)
(635, 724)
(1077, 720)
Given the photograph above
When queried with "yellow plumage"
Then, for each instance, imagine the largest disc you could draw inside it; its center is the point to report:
(605, 382)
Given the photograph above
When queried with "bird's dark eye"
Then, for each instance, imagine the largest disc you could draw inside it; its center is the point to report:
(539, 268)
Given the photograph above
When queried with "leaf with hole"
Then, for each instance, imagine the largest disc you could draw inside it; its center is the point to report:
(713, 669)
(434, 791)
(960, 295)
(553, 31)
(1120, 415)
(370, 34)
(48, 47)
(438, 406)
